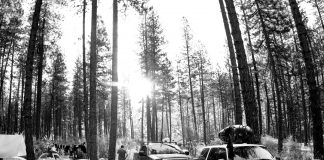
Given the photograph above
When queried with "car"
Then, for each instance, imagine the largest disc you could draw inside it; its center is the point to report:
(240, 152)
(50, 155)
(159, 151)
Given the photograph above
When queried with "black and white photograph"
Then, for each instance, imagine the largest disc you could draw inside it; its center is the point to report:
(161, 79)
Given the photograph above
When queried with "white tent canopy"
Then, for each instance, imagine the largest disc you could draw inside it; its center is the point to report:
(12, 146)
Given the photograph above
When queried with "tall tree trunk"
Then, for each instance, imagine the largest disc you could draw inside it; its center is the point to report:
(148, 119)
(245, 78)
(170, 119)
(16, 112)
(9, 118)
(153, 124)
(180, 108)
(314, 97)
(202, 98)
(256, 73)
(22, 109)
(275, 77)
(237, 94)
(269, 115)
(214, 115)
(84, 68)
(187, 37)
(131, 122)
(124, 115)
(40, 80)
(162, 121)
(142, 121)
(114, 91)
(92, 141)
(301, 81)
(29, 80)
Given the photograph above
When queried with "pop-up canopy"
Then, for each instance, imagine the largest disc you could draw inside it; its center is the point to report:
(12, 146)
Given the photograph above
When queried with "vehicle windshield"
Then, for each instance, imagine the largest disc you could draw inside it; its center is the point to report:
(251, 152)
(160, 148)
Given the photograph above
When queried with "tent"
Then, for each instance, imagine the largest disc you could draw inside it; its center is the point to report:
(12, 146)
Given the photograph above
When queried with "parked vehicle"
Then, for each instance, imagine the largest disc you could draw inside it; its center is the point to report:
(238, 145)
(159, 151)
(50, 155)
(241, 152)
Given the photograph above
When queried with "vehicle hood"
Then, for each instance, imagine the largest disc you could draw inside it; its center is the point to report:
(169, 156)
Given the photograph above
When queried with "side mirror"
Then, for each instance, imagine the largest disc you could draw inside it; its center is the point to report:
(142, 153)
(186, 152)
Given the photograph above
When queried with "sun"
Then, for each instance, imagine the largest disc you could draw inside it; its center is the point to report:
(139, 88)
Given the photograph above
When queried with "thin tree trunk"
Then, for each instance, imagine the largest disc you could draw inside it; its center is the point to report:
(29, 80)
(22, 109)
(114, 91)
(16, 112)
(92, 141)
(256, 73)
(314, 97)
(202, 98)
(237, 94)
(161, 138)
(269, 115)
(214, 115)
(170, 119)
(131, 122)
(142, 122)
(181, 110)
(85, 90)
(9, 118)
(245, 78)
(148, 119)
(187, 37)
(275, 77)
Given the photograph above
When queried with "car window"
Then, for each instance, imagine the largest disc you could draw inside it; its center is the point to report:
(217, 153)
(203, 153)
(251, 152)
(160, 148)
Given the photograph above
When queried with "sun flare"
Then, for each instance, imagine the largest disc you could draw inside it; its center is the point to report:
(139, 87)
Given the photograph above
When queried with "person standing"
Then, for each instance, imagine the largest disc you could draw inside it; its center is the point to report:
(122, 154)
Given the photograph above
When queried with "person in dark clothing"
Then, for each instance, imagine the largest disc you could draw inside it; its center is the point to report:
(122, 154)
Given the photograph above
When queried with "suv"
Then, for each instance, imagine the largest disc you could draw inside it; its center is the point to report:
(159, 151)
(241, 152)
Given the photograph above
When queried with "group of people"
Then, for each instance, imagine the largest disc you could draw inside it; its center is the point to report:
(74, 151)
(80, 151)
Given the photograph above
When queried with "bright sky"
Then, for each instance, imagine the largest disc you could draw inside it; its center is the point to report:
(204, 18)
(203, 15)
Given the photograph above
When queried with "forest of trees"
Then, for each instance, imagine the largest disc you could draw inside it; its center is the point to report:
(273, 80)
